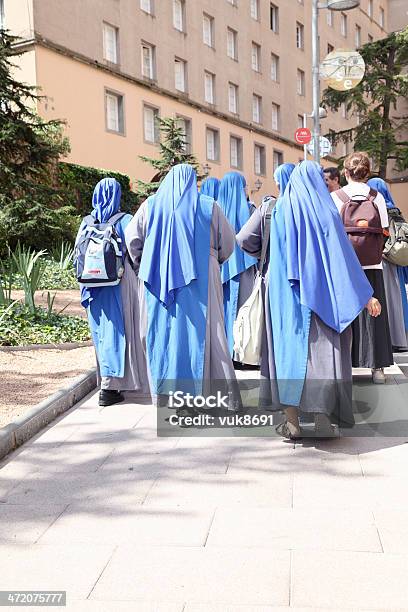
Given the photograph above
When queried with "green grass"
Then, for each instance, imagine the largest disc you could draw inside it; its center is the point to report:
(18, 327)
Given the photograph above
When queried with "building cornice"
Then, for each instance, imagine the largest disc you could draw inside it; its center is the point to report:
(29, 45)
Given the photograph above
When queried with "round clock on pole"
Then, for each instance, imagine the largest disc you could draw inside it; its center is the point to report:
(343, 69)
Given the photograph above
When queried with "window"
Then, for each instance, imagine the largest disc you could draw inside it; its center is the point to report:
(343, 25)
(300, 121)
(110, 43)
(208, 30)
(330, 48)
(256, 57)
(370, 8)
(275, 117)
(344, 110)
(300, 82)
(256, 108)
(2, 22)
(259, 160)
(382, 17)
(235, 152)
(147, 6)
(329, 18)
(277, 159)
(213, 144)
(275, 67)
(148, 61)
(114, 112)
(232, 47)
(300, 36)
(255, 9)
(180, 74)
(150, 124)
(370, 38)
(209, 86)
(358, 37)
(178, 15)
(185, 125)
(274, 18)
(233, 98)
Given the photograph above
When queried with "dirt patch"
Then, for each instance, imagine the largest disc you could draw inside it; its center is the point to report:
(29, 377)
(68, 298)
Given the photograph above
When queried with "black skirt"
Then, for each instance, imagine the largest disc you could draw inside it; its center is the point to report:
(372, 346)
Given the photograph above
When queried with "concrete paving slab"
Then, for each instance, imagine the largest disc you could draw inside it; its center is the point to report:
(290, 529)
(73, 568)
(123, 606)
(311, 490)
(213, 490)
(40, 488)
(138, 525)
(349, 580)
(25, 524)
(244, 576)
(392, 526)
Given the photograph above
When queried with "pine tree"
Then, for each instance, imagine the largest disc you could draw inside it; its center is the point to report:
(374, 101)
(173, 151)
(30, 204)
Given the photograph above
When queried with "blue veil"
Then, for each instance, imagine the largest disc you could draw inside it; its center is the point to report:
(168, 261)
(104, 304)
(313, 268)
(234, 205)
(282, 176)
(381, 186)
(210, 187)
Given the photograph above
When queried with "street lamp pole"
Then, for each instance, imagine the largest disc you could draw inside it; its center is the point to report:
(316, 80)
(335, 5)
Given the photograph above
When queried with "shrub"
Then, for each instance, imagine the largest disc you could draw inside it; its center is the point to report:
(19, 326)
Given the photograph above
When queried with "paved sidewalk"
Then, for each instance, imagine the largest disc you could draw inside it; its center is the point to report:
(123, 521)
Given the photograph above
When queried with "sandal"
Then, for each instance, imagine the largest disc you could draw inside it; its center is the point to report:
(283, 429)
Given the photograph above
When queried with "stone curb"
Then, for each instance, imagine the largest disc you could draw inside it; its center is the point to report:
(66, 346)
(19, 431)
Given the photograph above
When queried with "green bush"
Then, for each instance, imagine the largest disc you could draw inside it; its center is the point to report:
(78, 182)
(18, 326)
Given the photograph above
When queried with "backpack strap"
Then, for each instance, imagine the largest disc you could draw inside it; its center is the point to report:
(116, 218)
(342, 195)
(267, 231)
(372, 194)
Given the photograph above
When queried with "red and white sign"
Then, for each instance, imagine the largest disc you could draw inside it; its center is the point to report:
(303, 136)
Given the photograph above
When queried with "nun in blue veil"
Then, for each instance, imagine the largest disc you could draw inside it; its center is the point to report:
(210, 187)
(316, 289)
(238, 273)
(177, 241)
(250, 239)
(394, 280)
(113, 312)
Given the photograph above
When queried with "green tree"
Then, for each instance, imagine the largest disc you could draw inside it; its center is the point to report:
(374, 101)
(173, 151)
(31, 207)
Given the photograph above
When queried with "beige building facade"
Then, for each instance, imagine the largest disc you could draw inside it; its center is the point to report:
(236, 72)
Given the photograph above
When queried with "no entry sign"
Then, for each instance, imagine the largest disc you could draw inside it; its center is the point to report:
(303, 136)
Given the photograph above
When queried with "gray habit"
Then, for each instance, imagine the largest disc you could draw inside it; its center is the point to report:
(329, 357)
(394, 305)
(217, 360)
(135, 378)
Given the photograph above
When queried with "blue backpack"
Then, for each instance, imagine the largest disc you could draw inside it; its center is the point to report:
(98, 256)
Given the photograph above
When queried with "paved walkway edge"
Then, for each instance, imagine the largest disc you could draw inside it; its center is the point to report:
(66, 346)
(15, 434)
